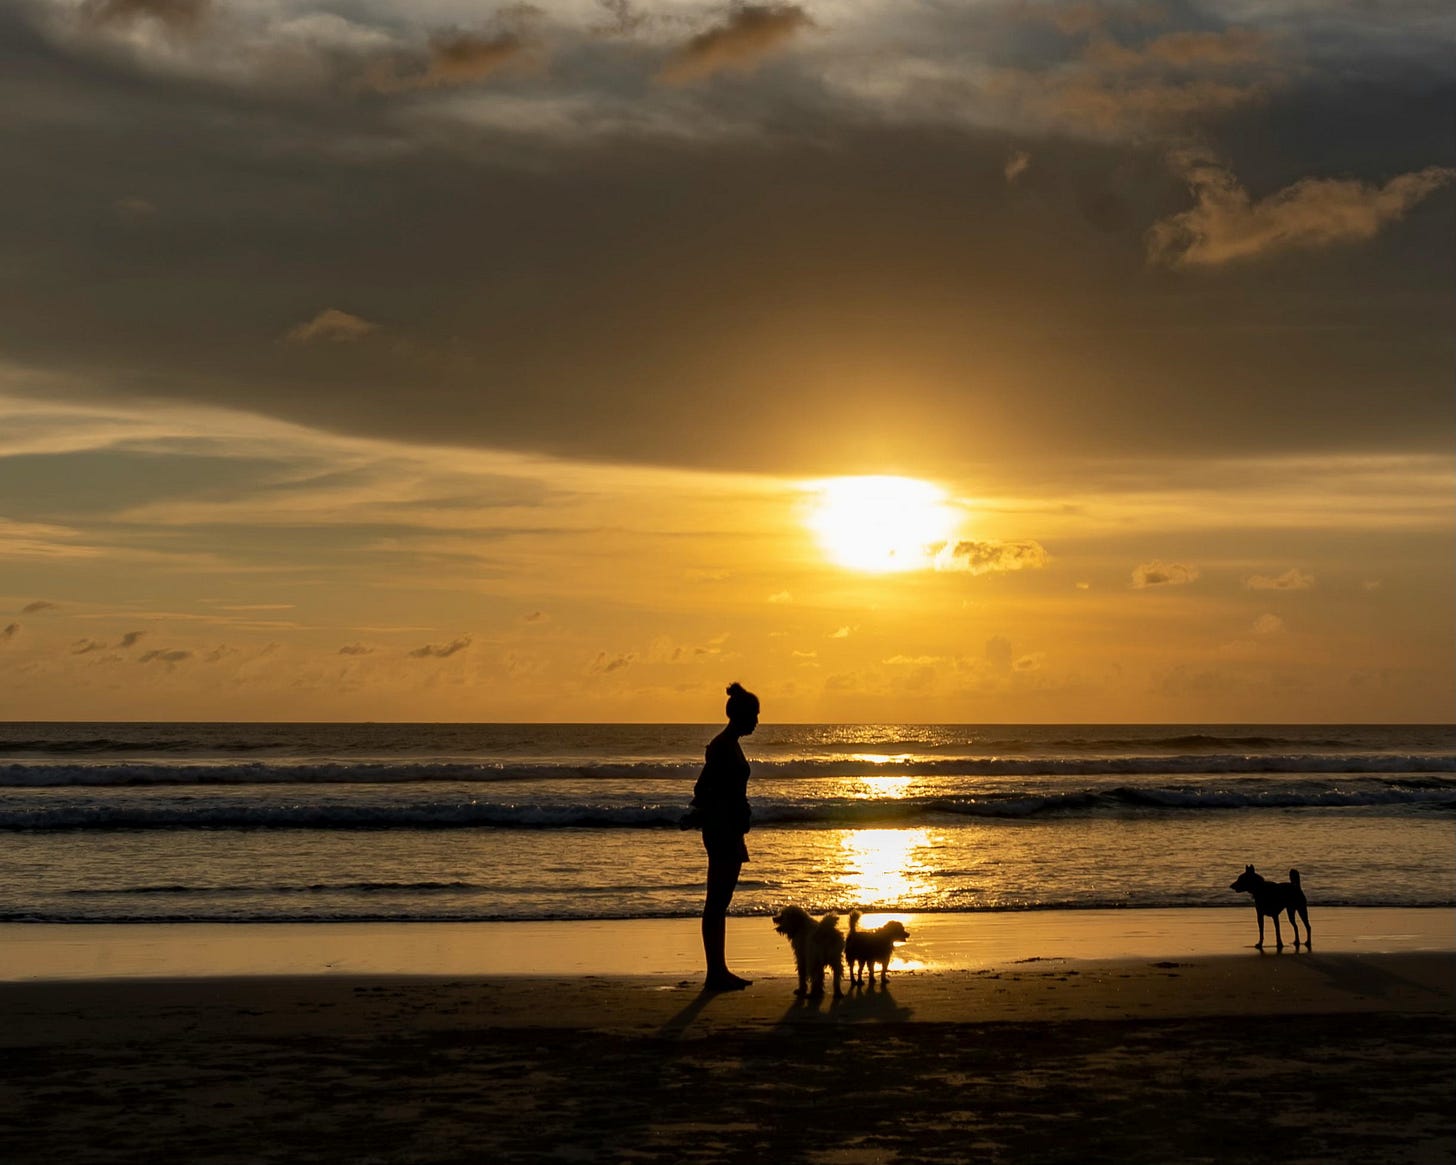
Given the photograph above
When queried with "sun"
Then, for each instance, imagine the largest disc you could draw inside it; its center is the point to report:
(880, 524)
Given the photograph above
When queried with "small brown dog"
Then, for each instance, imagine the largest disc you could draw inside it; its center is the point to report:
(818, 944)
(1273, 899)
(865, 948)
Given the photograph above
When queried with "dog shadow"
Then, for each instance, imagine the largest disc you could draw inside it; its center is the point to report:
(872, 1003)
(861, 1003)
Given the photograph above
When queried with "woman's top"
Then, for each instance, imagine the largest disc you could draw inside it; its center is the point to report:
(721, 794)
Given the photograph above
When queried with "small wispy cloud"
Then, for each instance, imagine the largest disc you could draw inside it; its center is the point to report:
(1292, 579)
(355, 649)
(441, 650)
(174, 655)
(1162, 574)
(605, 664)
(9, 632)
(36, 607)
(1016, 165)
(1268, 625)
(988, 557)
(333, 325)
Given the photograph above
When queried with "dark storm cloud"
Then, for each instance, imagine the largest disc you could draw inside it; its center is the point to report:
(355, 649)
(131, 639)
(174, 15)
(460, 58)
(9, 631)
(750, 33)
(858, 287)
(36, 607)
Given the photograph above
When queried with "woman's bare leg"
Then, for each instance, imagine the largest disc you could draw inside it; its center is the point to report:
(722, 881)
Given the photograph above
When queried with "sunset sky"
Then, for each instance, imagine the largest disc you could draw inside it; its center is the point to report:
(434, 360)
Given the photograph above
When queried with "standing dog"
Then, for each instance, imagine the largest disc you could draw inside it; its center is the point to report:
(1273, 899)
(817, 944)
(865, 948)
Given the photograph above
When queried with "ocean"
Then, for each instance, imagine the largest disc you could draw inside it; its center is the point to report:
(120, 823)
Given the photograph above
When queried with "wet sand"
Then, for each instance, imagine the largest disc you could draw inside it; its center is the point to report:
(1344, 1053)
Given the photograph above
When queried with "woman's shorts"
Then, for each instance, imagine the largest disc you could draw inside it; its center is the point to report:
(725, 846)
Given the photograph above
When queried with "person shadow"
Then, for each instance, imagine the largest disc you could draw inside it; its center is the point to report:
(674, 1027)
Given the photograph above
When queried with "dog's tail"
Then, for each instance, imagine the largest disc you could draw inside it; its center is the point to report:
(853, 920)
(1294, 877)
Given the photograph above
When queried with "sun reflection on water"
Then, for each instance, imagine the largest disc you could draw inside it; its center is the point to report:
(885, 865)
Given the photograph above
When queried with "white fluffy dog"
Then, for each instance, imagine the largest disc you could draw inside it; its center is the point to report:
(817, 944)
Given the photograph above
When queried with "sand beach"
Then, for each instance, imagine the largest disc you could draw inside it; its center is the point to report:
(1078, 1041)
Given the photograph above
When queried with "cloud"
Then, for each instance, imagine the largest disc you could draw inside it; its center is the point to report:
(606, 664)
(989, 557)
(440, 650)
(1226, 225)
(9, 631)
(751, 33)
(1162, 574)
(781, 597)
(840, 633)
(130, 639)
(1016, 165)
(86, 646)
(178, 16)
(626, 18)
(998, 652)
(1087, 16)
(38, 606)
(536, 617)
(331, 324)
(1292, 579)
(1225, 48)
(1268, 625)
(176, 655)
(355, 649)
(454, 59)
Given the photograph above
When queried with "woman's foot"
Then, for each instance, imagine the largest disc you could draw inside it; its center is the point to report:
(725, 981)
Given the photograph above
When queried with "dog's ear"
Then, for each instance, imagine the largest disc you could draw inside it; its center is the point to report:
(1248, 869)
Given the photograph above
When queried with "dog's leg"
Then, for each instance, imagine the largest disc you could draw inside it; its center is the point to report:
(1308, 935)
(1278, 937)
(838, 968)
(1259, 914)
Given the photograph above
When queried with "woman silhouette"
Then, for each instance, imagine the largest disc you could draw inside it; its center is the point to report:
(720, 810)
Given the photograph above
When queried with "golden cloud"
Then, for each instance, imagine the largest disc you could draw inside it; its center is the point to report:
(1226, 225)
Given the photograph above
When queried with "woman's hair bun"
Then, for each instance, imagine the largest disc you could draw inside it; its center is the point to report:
(736, 689)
